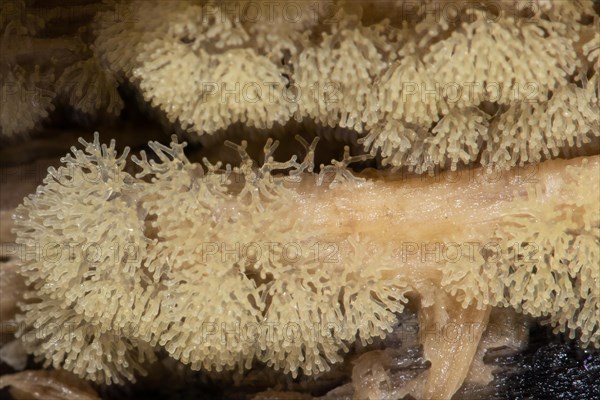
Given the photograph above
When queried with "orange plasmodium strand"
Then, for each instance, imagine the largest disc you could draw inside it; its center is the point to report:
(450, 337)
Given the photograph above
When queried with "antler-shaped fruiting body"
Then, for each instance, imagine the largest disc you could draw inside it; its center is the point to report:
(221, 267)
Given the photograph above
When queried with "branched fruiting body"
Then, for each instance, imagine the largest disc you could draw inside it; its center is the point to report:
(221, 267)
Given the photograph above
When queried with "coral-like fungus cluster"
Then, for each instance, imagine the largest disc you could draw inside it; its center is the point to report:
(179, 260)
(222, 267)
(429, 84)
(549, 263)
(212, 265)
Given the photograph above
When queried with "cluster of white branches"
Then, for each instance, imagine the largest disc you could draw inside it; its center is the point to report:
(429, 86)
(550, 269)
(133, 264)
(146, 279)
(428, 83)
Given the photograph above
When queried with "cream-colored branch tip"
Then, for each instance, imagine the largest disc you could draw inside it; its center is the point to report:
(226, 267)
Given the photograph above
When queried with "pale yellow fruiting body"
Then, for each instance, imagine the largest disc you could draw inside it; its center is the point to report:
(428, 84)
(548, 263)
(224, 267)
